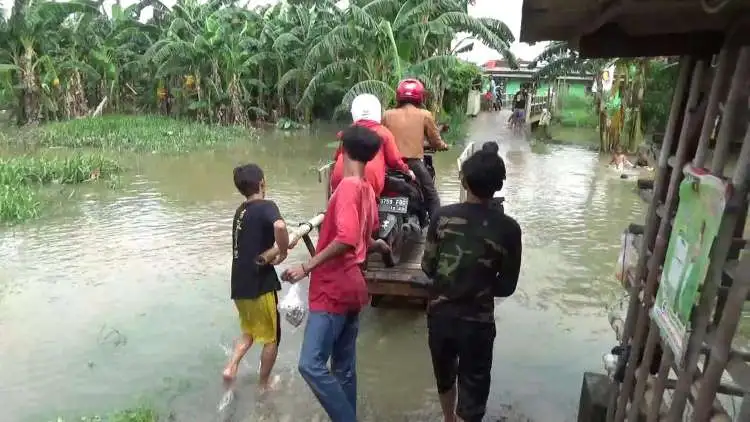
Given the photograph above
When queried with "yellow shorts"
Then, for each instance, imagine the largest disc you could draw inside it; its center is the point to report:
(259, 318)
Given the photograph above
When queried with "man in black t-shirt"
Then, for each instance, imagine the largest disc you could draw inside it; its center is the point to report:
(472, 254)
(519, 106)
(257, 226)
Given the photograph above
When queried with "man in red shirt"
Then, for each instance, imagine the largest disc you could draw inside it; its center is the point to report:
(338, 291)
(367, 112)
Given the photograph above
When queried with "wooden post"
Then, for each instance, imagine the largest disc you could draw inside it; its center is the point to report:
(665, 229)
(731, 313)
(718, 253)
(737, 98)
(657, 393)
(719, 87)
(466, 153)
(648, 239)
(324, 177)
(724, 334)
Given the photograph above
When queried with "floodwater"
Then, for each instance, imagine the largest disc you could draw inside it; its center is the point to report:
(123, 297)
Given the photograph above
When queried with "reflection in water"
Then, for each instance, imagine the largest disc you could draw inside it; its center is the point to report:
(127, 298)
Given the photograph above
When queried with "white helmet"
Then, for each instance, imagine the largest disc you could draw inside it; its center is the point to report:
(366, 107)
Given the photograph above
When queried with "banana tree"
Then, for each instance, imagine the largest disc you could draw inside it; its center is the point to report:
(34, 29)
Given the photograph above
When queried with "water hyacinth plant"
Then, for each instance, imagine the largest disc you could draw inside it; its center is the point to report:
(21, 177)
(139, 134)
(18, 203)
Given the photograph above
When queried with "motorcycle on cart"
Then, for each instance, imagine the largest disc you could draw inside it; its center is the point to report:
(402, 210)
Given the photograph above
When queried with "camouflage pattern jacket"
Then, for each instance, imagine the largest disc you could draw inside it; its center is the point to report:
(472, 254)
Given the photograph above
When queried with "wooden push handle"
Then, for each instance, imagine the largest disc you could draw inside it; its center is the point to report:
(305, 228)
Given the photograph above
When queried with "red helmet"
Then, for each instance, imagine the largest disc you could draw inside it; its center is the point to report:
(410, 89)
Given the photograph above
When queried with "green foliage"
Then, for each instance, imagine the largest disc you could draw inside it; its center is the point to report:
(219, 62)
(458, 123)
(30, 170)
(577, 111)
(18, 203)
(288, 124)
(137, 133)
(457, 89)
(657, 99)
(21, 177)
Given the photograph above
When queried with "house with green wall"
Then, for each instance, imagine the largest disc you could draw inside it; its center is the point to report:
(510, 80)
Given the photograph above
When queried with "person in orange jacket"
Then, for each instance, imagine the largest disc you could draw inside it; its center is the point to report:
(410, 124)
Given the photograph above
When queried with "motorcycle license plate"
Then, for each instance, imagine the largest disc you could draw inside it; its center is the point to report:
(397, 205)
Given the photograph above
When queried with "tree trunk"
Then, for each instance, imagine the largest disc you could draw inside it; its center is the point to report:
(601, 111)
(637, 105)
(31, 112)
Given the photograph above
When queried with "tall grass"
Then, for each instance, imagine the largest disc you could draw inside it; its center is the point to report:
(18, 203)
(577, 111)
(136, 133)
(30, 170)
(458, 123)
(21, 177)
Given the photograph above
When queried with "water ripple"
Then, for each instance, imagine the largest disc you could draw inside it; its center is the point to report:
(129, 295)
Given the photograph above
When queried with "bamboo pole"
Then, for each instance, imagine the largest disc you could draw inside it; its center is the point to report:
(731, 313)
(722, 77)
(665, 230)
(718, 252)
(661, 381)
(737, 98)
(724, 335)
(616, 410)
(298, 233)
(642, 373)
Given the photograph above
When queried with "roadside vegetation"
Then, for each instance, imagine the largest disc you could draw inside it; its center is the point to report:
(78, 77)
(131, 133)
(218, 62)
(637, 104)
(23, 179)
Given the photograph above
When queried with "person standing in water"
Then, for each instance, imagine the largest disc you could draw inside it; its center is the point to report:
(619, 160)
(338, 291)
(472, 255)
(519, 107)
(256, 227)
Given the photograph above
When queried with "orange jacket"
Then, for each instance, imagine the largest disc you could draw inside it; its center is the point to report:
(410, 126)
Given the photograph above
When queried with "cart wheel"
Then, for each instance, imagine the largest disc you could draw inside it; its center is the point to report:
(375, 300)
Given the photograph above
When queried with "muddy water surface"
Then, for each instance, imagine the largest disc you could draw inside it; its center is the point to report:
(124, 297)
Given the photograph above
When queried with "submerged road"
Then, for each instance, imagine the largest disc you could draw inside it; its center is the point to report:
(122, 296)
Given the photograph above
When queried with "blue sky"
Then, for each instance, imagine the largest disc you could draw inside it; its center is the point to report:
(508, 11)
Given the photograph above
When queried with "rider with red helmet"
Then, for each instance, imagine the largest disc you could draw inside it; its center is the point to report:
(367, 112)
(410, 124)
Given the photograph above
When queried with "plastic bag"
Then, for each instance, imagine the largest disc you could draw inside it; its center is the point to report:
(293, 307)
(628, 257)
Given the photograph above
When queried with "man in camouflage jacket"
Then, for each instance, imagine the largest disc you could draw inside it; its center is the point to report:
(473, 255)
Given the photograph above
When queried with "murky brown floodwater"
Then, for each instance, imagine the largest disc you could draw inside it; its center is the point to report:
(124, 296)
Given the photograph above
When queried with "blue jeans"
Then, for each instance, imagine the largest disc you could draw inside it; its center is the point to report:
(334, 337)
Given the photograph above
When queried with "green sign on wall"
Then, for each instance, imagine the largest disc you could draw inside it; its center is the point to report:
(702, 200)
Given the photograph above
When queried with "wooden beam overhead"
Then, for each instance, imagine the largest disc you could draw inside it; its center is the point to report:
(611, 41)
